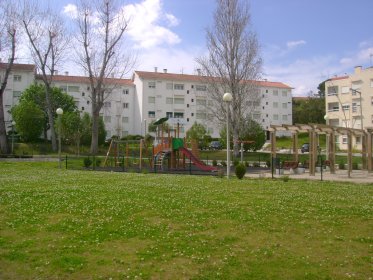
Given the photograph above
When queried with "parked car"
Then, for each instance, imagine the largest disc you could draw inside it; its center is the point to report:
(305, 148)
(215, 145)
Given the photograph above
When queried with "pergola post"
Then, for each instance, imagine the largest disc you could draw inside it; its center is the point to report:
(364, 151)
(331, 150)
(311, 153)
(349, 152)
(295, 145)
(273, 144)
(369, 149)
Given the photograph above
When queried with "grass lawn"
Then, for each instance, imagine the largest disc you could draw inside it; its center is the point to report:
(63, 224)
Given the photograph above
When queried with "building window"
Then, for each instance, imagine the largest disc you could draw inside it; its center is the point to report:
(192, 114)
(151, 84)
(201, 102)
(87, 102)
(125, 133)
(344, 139)
(17, 78)
(108, 134)
(82, 108)
(275, 92)
(151, 114)
(151, 99)
(107, 119)
(345, 107)
(284, 117)
(125, 105)
(125, 119)
(169, 115)
(188, 91)
(333, 90)
(201, 88)
(201, 115)
(256, 116)
(371, 101)
(73, 88)
(179, 86)
(179, 100)
(179, 115)
(187, 119)
(256, 103)
(107, 104)
(275, 117)
(63, 88)
(83, 93)
(126, 91)
(345, 90)
(358, 140)
(284, 105)
(275, 104)
(169, 86)
(169, 100)
(17, 94)
(284, 93)
(187, 105)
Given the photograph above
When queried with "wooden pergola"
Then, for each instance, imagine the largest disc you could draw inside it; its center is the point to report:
(313, 131)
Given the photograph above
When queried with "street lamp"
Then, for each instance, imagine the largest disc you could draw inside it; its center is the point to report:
(227, 98)
(13, 124)
(59, 112)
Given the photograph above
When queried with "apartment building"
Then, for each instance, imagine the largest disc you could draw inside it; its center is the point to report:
(20, 78)
(132, 104)
(349, 103)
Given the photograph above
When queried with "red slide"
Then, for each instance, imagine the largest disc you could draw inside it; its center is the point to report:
(200, 164)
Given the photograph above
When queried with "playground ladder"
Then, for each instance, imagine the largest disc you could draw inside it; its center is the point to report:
(160, 158)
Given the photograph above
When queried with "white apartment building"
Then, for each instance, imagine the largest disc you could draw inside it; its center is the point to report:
(20, 78)
(349, 103)
(134, 103)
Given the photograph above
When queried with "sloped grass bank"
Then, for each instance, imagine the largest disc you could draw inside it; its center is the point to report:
(62, 224)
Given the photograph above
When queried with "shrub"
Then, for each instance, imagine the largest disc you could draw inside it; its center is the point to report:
(223, 163)
(355, 166)
(214, 162)
(87, 162)
(240, 170)
(285, 178)
(341, 165)
(97, 162)
(235, 162)
(247, 164)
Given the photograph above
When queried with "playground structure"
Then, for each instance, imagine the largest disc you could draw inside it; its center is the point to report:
(169, 153)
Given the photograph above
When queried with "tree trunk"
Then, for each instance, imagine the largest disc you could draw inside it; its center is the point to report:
(3, 140)
(50, 117)
(94, 140)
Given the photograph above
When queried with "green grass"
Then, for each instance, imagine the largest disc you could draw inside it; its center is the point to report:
(63, 224)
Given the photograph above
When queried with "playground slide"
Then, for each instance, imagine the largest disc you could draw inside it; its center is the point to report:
(200, 164)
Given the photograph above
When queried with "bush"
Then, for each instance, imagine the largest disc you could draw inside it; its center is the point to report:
(235, 162)
(341, 165)
(87, 162)
(214, 162)
(97, 162)
(223, 163)
(240, 170)
(355, 166)
(285, 178)
(247, 164)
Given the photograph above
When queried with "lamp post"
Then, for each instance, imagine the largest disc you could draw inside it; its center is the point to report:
(59, 112)
(227, 98)
(144, 128)
(13, 124)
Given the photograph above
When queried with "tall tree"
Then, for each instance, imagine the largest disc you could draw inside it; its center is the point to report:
(233, 63)
(48, 40)
(8, 35)
(102, 26)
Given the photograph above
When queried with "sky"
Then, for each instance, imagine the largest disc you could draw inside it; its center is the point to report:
(303, 42)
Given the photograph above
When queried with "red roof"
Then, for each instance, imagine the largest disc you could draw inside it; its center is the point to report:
(85, 80)
(17, 66)
(339, 78)
(196, 78)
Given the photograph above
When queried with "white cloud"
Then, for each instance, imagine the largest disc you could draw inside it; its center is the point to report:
(70, 10)
(145, 24)
(294, 44)
(172, 20)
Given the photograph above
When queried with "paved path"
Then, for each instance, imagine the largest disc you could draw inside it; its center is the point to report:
(357, 176)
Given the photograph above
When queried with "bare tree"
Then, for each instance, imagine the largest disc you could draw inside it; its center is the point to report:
(233, 64)
(8, 35)
(48, 40)
(102, 25)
